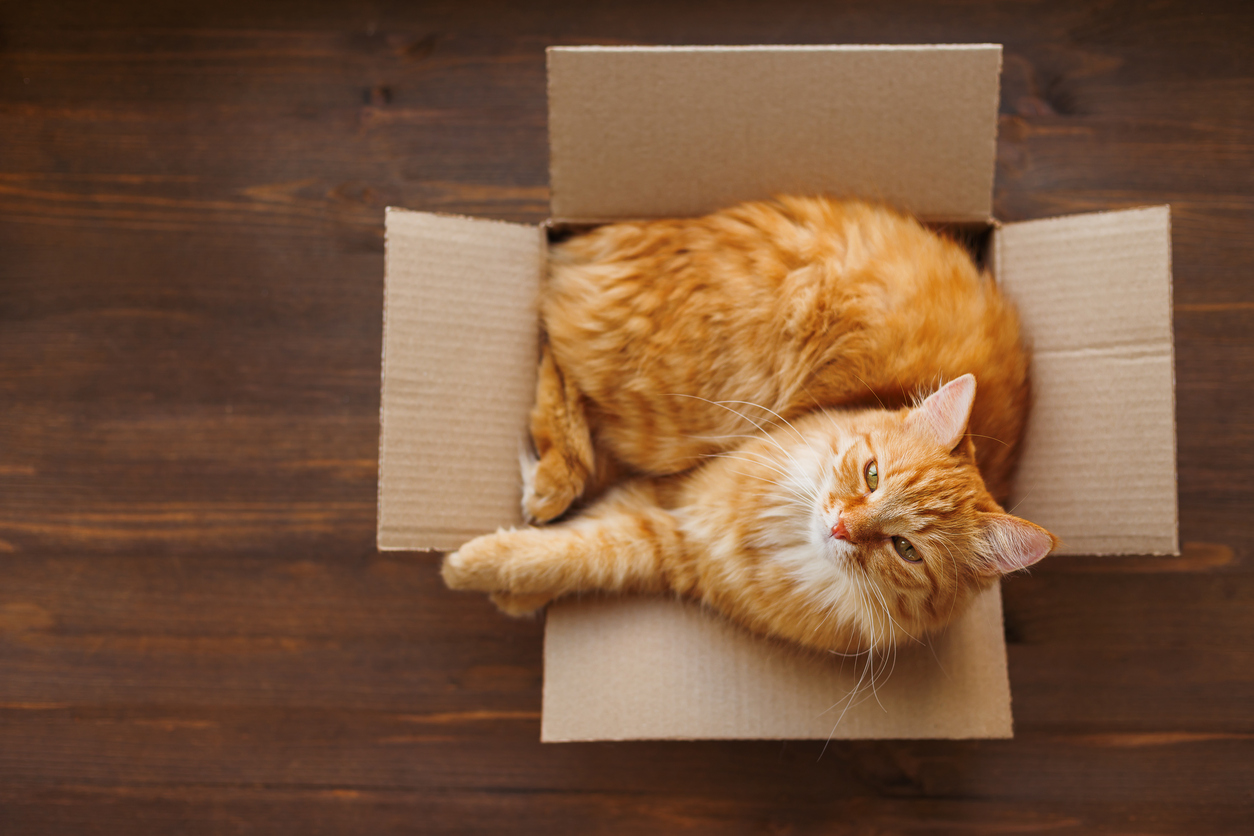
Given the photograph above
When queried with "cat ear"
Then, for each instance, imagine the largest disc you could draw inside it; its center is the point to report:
(944, 414)
(1014, 544)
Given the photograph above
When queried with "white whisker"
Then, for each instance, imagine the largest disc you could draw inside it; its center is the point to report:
(724, 405)
(755, 462)
(1022, 499)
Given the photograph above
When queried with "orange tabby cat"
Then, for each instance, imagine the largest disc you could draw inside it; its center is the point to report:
(788, 305)
(671, 342)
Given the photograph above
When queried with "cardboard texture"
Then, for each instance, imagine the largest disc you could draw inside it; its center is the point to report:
(459, 358)
(672, 131)
(1099, 461)
(637, 668)
(639, 132)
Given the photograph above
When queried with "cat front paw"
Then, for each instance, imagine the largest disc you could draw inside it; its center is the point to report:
(475, 566)
(512, 563)
(549, 488)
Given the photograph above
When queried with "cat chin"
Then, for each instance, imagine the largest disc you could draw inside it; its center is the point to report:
(845, 554)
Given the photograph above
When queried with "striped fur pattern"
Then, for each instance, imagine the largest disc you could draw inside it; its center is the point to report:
(725, 410)
(752, 533)
(789, 305)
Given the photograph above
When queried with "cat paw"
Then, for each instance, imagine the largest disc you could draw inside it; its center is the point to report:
(519, 605)
(549, 488)
(475, 566)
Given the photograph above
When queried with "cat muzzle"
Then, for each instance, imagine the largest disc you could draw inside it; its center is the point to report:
(839, 531)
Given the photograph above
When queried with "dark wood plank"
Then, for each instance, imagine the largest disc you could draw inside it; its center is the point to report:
(294, 810)
(196, 633)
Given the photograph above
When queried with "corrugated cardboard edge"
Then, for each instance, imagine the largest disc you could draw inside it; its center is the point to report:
(431, 384)
(1157, 221)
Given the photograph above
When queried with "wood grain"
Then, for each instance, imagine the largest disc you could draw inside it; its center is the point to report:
(196, 632)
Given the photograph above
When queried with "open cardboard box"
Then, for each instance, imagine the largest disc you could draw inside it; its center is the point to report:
(664, 132)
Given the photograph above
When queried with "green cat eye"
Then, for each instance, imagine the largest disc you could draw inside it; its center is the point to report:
(906, 550)
(872, 475)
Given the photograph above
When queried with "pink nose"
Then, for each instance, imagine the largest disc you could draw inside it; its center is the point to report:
(839, 531)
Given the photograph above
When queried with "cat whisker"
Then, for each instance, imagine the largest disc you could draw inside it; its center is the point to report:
(794, 476)
(849, 655)
(734, 436)
(870, 659)
(802, 506)
(989, 437)
(803, 502)
(954, 560)
(755, 476)
(868, 676)
(872, 687)
(939, 664)
(1022, 499)
(892, 665)
(764, 433)
(724, 405)
(848, 644)
(812, 497)
(739, 455)
(889, 664)
(893, 621)
(848, 699)
(872, 391)
(764, 436)
(778, 417)
(757, 462)
(891, 639)
(828, 612)
(747, 436)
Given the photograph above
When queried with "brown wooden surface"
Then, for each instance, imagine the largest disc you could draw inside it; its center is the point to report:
(196, 632)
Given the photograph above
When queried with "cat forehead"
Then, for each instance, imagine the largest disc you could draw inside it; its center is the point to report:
(865, 428)
(918, 478)
(891, 438)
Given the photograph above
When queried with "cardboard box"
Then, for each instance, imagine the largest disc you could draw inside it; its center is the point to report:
(664, 132)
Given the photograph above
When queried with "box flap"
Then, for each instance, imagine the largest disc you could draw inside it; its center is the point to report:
(639, 132)
(631, 668)
(459, 356)
(1099, 460)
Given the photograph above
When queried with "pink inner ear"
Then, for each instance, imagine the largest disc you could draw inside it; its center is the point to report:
(945, 413)
(1016, 544)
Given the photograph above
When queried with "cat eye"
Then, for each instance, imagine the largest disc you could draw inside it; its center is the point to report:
(872, 475)
(905, 550)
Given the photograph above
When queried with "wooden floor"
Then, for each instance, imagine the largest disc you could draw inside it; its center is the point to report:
(197, 634)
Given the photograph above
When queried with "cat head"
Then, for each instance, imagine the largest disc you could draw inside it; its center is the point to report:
(902, 512)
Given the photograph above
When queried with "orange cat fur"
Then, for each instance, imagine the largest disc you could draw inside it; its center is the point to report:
(674, 341)
(788, 305)
(844, 530)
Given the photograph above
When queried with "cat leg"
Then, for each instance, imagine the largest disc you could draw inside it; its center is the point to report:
(563, 445)
(620, 545)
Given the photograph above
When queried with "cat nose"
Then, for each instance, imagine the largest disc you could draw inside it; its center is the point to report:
(839, 531)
